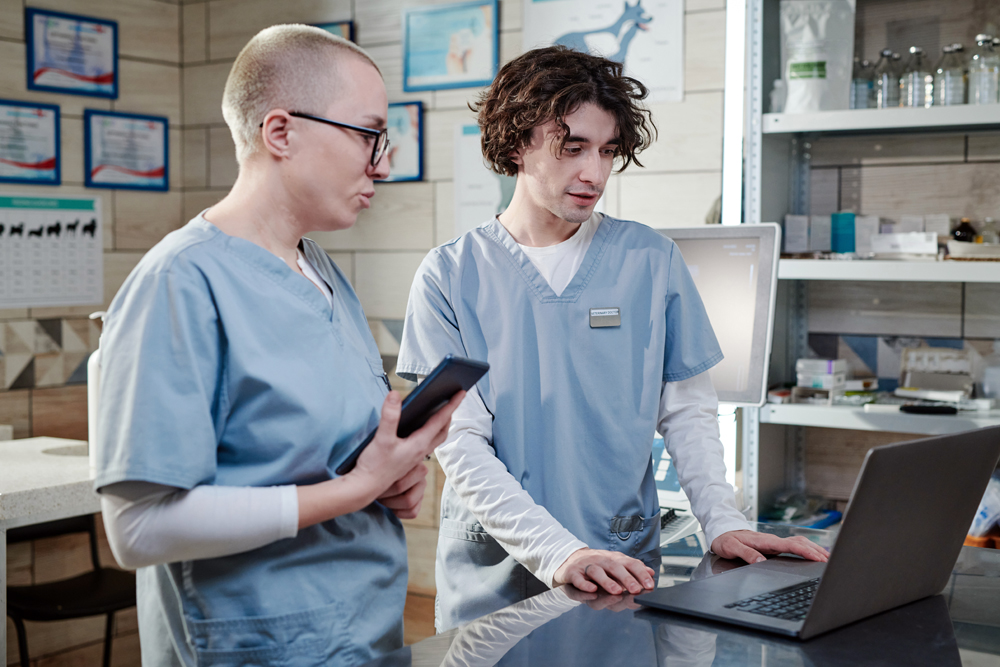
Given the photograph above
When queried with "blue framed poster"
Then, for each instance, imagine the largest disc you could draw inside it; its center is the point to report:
(406, 133)
(71, 54)
(343, 29)
(450, 46)
(125, 151)
(29, 143)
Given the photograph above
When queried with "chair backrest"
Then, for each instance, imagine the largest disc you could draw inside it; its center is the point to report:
(58, 528)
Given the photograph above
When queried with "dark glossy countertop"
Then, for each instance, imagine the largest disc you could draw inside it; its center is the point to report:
(959, 627)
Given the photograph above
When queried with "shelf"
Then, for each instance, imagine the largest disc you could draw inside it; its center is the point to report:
(889, 270)
(885, 120)
(857, 419)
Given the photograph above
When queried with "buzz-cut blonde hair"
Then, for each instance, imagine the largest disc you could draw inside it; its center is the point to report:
(291, 67)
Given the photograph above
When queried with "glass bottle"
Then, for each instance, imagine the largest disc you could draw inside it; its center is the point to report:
(862, 84)
(965, 232)
(916, 86)
(949, 77)
(989, 232)
(886, 85)
(984, 72)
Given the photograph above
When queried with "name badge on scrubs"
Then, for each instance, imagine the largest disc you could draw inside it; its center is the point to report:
(605, 317)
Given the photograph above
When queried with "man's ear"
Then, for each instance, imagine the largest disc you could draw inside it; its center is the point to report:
(515, 157)
(275, 133)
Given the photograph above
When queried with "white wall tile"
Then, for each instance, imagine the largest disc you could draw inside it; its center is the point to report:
(223, 167)
(13, 84)
(194, 203)
(12, 19)
(702, 5)
(203, 86)
(176, 166)
(231, 23)
(887, 149)
(382, 281)
(971, 190)
(903, 309)
(444, 212)
(511, 46)
(439, 142)
(380, 22)
(690, 135)
(511, 14)
(194, 37)
(146, 28)
(389, 58)
(195, 157)
(401, 218)
(71, 155)
(669, 200)
(149, 88)
(704, 51)
(142, 219)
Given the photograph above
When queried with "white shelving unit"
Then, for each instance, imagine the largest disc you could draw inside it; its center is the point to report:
(883, 120)
(947, 271)
(855, 418)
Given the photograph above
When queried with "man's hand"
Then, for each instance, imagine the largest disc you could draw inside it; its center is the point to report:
(751, 546)
(588, 569)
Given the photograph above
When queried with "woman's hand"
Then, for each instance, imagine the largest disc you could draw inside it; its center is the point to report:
(390, 469)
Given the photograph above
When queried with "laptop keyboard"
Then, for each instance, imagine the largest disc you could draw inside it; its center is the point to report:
(790, 603)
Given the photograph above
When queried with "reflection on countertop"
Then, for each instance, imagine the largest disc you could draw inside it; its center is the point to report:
(567, 627)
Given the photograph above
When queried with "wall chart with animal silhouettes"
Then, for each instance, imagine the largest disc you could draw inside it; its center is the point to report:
(646, 35)
(51, 251)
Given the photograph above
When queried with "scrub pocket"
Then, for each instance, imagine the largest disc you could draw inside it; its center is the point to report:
(634, 535)
(300, 639)
(379, 372)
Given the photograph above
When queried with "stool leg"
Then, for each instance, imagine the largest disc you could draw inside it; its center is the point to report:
(109, 630)
(22, 640)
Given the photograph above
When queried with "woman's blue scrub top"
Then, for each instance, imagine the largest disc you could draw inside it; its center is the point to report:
(574, 403)
(220, 365)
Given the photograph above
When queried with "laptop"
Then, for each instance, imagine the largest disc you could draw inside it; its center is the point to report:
(910, 510)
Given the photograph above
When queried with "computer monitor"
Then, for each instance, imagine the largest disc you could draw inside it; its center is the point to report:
(735, 268)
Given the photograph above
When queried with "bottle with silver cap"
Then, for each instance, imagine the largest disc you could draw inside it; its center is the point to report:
(862, 84)
(949, 77)
(916, 86)
(886, 88)
(984, 72)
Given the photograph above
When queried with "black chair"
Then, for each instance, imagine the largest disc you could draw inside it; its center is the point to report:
(101, 591)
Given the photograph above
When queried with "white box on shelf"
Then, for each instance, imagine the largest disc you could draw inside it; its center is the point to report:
(796, 233)
(819, 233)
(910, 223)
(886, 227)
(824, 381)
(820, 366)
(865, 227)
(913, 243)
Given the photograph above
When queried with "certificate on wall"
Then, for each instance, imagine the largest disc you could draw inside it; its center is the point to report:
(126, 151)
(646, 35)
(51, 251)
(450, 46)
(71, 54)
(29, 143)
(405, 127)
(343, 29)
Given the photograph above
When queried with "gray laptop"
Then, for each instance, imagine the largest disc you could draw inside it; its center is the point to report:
(908, 515)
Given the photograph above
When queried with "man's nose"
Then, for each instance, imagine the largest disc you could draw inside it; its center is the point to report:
(593, 168)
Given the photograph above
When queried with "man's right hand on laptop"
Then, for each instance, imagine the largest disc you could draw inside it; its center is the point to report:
(752, 546)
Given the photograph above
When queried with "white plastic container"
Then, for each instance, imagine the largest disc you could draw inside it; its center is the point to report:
(824, 381)
(820, 366)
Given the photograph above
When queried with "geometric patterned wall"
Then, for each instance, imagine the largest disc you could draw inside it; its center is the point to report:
(46, 352)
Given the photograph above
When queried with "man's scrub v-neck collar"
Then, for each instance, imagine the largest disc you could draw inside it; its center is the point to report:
(535, 281)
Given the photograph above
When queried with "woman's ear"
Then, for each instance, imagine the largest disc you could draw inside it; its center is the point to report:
(275, 132)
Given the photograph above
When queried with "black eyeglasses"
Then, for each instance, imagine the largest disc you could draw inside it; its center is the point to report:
(381, 146)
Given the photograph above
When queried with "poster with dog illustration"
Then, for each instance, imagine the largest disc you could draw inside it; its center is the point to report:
(646, 35)
(51, 251)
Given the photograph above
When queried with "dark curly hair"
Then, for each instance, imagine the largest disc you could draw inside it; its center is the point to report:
(549, 84)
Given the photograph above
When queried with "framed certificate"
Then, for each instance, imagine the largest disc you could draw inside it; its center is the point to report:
(71, 54)
(406, 134)
(450, 46)
(29, 143)
(343, 29)
(124, 151)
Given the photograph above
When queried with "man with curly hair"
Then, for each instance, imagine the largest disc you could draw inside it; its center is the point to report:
(596, 337)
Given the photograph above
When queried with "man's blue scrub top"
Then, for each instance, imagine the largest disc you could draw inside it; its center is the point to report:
(574, 406)
(223, 366)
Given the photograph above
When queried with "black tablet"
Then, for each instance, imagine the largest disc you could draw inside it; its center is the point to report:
(452, 375)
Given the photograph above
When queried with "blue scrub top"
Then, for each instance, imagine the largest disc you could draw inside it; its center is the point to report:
(574, 406)
(220, 365)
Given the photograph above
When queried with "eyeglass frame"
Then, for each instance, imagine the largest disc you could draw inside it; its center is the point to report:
(377, 154)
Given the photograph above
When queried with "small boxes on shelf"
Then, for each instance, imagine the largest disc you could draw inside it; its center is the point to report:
(819, 380)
